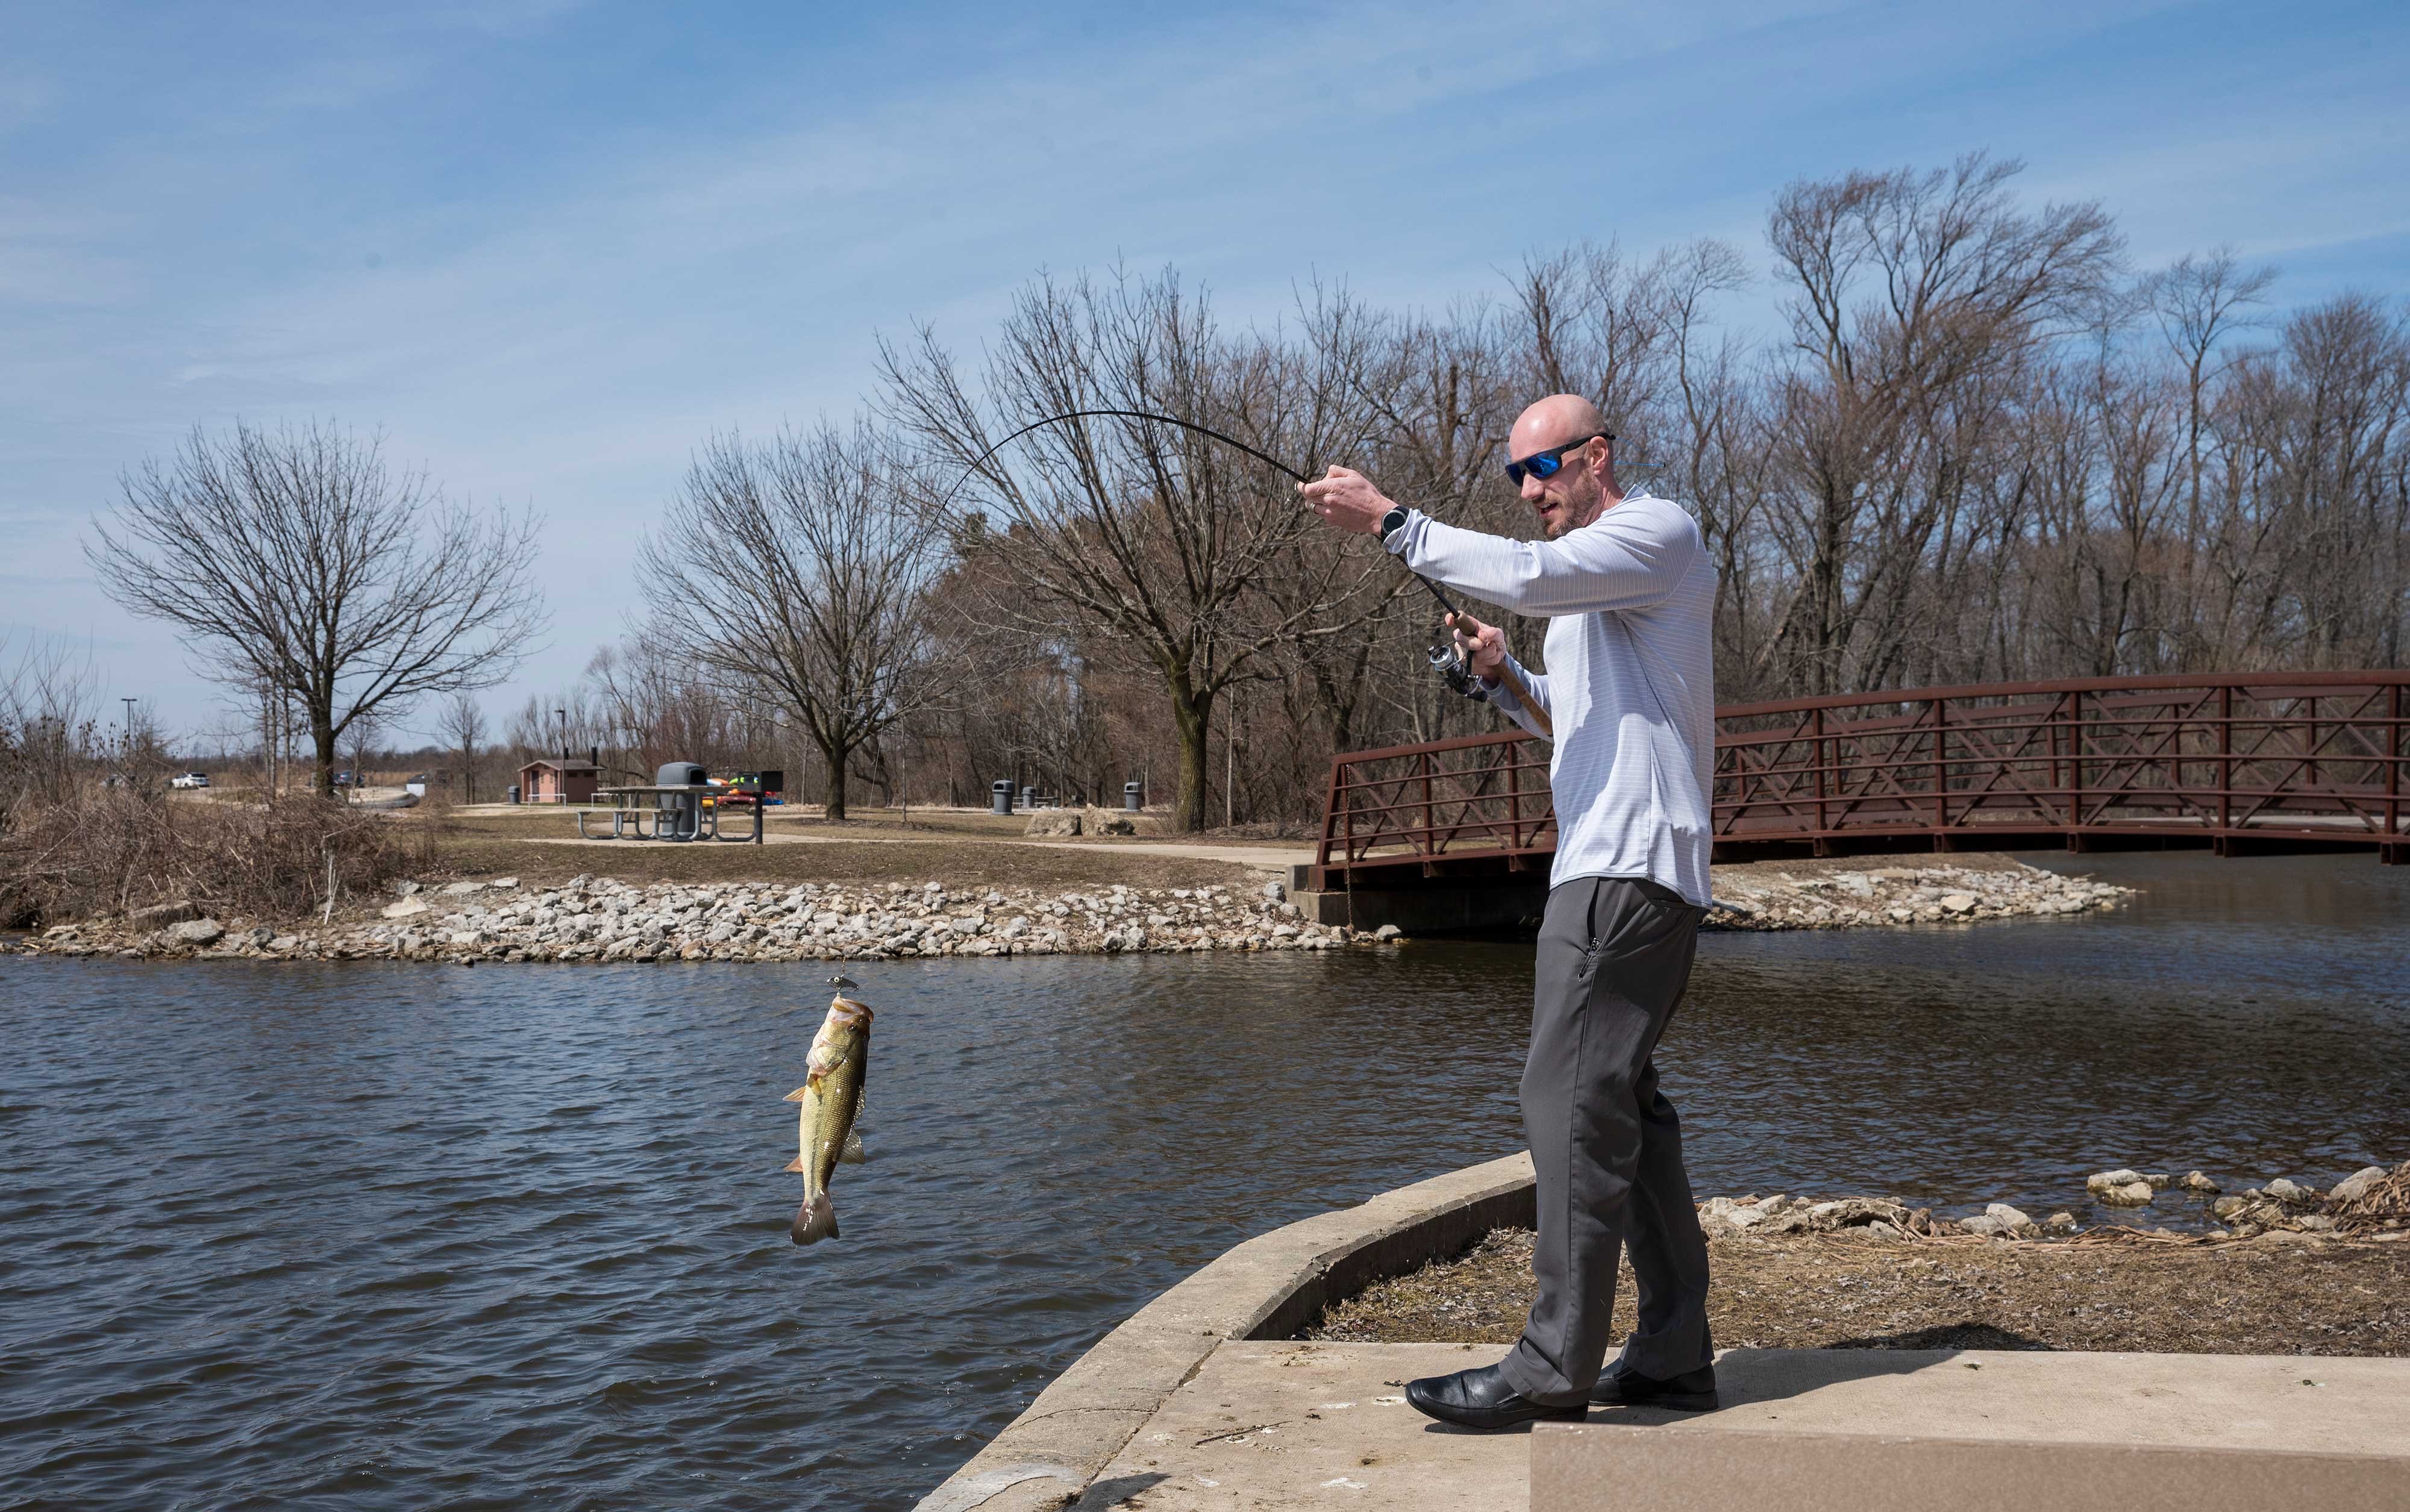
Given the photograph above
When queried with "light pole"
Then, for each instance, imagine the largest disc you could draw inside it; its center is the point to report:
(562, 715)
(125, 741)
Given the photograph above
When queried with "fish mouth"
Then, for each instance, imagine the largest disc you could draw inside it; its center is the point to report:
(851, 1014)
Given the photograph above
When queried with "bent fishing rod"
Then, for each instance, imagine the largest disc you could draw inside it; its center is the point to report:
(1452, 666)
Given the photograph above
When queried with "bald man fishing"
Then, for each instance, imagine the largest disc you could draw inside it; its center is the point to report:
(1624, 581)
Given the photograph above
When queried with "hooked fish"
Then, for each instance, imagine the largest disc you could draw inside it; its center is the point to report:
(831, 1100)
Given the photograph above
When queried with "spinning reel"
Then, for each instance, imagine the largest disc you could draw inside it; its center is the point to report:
(1452, 668)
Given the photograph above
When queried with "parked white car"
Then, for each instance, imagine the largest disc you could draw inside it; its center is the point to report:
(190, 780)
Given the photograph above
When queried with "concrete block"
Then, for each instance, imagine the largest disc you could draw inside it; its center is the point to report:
(1601, 1467)
(1487, 905)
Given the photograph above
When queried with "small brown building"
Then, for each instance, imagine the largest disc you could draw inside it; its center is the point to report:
(550, 779)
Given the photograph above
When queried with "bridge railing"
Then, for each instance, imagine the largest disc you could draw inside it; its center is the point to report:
(1476, 803)
(2231, 761)
(2288, 755)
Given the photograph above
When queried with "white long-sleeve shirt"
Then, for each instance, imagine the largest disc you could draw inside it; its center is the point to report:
(1629, 600)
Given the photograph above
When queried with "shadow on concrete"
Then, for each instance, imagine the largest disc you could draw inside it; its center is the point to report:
(1946, 1336)
(1115, 1492)
(1753, 1377)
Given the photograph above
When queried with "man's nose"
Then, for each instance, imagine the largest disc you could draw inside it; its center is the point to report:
(1534, 489)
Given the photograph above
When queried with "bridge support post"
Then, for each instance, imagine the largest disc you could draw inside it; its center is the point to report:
(1940, 766)
(2074, 768)
(2226, 757)
(2396, 851)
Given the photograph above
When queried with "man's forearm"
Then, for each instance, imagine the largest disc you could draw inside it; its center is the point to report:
(1623, 561)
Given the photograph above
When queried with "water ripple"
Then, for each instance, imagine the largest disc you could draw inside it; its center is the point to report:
(378, 1234)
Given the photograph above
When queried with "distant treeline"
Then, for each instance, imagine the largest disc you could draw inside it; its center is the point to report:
(1972, 443)
(1976, 445)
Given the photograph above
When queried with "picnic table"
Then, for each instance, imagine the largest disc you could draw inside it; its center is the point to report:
(684, 811)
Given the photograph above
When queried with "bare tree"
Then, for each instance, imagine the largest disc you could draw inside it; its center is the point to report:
(50, 722)
(813, 588)
(297, 560)
(1916, 300)
(464, 727)
(1167, 544)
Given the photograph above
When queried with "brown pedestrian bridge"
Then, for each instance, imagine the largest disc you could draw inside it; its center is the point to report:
(2238, 763)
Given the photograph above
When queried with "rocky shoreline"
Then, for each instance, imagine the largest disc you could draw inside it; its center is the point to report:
(1856, 897)
(600, 919)
(2371, 1203)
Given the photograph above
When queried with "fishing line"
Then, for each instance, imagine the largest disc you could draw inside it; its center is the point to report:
(1267, 459)
(1452, 666)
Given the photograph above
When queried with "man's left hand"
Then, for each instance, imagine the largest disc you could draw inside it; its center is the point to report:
(1347, 499)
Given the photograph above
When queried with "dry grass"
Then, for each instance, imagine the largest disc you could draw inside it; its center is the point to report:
(2389, 1197)
(969, 850)
(109, 850)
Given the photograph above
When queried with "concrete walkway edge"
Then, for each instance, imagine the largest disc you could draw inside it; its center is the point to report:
(1265, 1288)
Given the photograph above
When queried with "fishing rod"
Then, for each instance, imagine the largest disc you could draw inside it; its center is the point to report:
(1445, 660)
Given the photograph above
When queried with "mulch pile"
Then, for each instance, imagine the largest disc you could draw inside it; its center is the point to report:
(2284, 1293)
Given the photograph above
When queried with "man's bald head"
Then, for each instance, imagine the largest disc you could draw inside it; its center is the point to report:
(1552, 422)
(1583, 488)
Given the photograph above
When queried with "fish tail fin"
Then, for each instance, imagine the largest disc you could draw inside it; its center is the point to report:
(815, 1220)
(853, 1154)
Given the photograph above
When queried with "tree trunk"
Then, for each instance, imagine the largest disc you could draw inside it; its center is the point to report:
(1191, 715)
(834, 792)
(322, 736)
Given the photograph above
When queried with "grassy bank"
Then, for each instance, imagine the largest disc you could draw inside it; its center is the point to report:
(961, 849)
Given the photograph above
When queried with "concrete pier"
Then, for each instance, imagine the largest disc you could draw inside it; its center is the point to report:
(1202, 1400)
(1325, 1425)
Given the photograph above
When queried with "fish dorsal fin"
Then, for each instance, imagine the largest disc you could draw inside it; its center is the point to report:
(853, 1154)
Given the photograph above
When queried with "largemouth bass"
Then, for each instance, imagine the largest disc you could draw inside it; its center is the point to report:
(831, 1098)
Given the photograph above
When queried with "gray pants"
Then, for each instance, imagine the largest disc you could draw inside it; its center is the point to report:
(1615, 955)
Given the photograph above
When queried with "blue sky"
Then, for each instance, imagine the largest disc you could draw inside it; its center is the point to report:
(548, 246)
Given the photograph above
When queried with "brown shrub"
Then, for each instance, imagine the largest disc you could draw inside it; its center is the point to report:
(109, 849)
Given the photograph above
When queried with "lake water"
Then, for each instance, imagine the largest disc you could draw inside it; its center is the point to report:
(395, 1235)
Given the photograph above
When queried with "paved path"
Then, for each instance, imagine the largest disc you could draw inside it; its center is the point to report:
(1314, 1425)
(1262, 858)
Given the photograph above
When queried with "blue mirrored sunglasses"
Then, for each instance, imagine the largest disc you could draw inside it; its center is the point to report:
(1544, 464)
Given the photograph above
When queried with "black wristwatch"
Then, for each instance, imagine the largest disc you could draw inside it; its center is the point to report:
(1394, 521)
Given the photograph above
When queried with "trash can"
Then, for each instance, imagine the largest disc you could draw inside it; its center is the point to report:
(999, 796)
(1129, 797)
(511, 794)
(678, 816)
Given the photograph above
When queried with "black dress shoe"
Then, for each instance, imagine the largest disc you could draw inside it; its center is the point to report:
(1480, 1398)
(1690, 1391)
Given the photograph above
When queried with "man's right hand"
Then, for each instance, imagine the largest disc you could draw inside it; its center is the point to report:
(1483, 646)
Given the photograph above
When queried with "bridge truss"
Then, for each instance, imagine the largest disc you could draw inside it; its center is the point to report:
(2239, 762)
